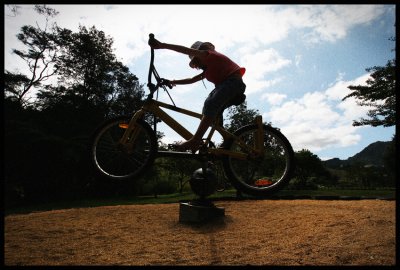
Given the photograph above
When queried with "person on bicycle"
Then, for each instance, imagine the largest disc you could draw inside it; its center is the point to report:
(216, 68)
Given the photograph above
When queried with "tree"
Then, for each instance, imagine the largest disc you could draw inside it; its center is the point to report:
(380, 93)
(91, 83)
(53, 163)
(389, 160)
(14, 9)
(89, 71)
(16, 85)
(310, 172)
(239, 116)
(40, 55)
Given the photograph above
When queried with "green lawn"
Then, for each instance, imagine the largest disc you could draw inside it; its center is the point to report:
(175, 198)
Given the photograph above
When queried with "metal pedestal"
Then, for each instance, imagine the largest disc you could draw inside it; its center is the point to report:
(199, 211)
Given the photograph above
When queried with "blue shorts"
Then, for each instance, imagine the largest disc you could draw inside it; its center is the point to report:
(222, 94)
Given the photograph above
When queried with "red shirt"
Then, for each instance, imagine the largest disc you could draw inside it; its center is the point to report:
(219, 67)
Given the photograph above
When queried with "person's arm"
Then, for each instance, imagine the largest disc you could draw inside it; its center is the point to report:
(189, 80)
(178, 48)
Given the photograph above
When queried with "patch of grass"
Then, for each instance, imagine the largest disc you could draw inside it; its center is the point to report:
(340, 192)
(176, 197)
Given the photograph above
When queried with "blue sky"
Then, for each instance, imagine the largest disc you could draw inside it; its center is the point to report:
(299, 59)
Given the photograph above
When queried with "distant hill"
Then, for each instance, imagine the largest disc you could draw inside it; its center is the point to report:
(370, 155)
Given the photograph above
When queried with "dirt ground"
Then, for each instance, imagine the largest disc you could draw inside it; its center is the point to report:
(254, 232)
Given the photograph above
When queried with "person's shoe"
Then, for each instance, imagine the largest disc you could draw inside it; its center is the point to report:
(192, 145)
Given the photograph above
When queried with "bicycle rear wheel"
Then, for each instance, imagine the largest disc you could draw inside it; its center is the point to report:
(260, 176)
(114, 161)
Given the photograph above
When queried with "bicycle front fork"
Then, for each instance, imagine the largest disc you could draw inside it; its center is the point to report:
(132, 129)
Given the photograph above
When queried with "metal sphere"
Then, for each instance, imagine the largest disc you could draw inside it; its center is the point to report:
(203, 186)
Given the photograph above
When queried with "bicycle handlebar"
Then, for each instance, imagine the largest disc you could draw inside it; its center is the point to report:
(160, 81)
(151, 38)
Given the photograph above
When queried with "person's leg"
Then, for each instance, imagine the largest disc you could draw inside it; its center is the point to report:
(213, 106)
(194, 143)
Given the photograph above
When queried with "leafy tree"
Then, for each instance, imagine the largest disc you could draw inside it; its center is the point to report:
(41, 9)
(14, 9)
(310, 172)
(48, 12)
(239, 116)
(389, 160)
(178, 171)
(88, 67)
(16, 85)
(380, 93)
(40, 56)
(92, 85)
(362, 175)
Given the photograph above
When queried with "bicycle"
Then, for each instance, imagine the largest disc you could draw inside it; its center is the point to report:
(257, 159)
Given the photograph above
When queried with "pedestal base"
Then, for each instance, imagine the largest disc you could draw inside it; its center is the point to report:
(195, 213)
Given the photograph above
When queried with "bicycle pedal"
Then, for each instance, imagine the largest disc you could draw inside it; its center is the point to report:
(175, 148)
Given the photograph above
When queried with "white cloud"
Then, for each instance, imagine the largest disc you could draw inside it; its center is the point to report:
(273, 98)
(254, 24)
(351, 110)
(260, 63)
(233, 26)
(319, 120)
(332, 22)
(340, 89)
(315, 138)
(311, 109)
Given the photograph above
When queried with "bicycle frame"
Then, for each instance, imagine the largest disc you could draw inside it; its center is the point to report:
(153, 106)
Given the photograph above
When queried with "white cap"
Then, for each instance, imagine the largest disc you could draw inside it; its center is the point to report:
(196, 46)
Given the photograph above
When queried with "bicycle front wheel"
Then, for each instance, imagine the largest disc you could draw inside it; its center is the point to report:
(265, 174)
(114, 161)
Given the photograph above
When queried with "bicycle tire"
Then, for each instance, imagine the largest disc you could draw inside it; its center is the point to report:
(260, 176)
(111, 160)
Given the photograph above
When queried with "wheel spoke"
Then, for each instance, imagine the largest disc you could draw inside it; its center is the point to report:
(115, 161)
(261, 174)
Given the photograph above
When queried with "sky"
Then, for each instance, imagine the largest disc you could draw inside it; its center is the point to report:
(299, 60)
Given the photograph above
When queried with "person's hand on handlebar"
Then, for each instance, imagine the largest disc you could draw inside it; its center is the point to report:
(155, 44)
(168, 83)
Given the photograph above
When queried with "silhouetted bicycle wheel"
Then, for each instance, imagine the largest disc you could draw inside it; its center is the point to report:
(116, 161)
(260, 176)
